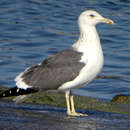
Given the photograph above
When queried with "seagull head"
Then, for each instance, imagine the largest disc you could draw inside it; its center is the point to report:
(91, 18)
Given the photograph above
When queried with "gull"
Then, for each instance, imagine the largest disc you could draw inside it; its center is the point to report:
(72, 68)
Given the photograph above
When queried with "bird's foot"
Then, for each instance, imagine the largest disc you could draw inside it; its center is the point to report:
(75, 114)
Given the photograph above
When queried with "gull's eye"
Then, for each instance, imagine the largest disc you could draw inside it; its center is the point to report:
(92, 16)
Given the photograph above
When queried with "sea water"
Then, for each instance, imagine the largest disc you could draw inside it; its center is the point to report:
(32, 30)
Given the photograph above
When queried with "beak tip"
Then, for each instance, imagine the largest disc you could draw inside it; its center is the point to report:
(108, 21)
(111, 22)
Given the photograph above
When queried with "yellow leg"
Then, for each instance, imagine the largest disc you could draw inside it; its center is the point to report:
(73, 112)
(70, 105)
(68, 102)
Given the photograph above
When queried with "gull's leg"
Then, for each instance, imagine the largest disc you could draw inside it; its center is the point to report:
(70, 105)
(73, 112)
(67, 96)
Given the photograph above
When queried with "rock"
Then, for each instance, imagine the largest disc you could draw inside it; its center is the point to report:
(56, 99)
(121, 99)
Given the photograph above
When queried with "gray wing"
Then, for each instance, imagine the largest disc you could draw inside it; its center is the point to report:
(54, 71)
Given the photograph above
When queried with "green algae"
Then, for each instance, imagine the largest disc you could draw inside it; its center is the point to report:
(86, 103)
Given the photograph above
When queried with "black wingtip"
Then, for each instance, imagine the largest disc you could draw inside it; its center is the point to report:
(16, 92)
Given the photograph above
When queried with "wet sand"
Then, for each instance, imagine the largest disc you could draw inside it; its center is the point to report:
(32, 117)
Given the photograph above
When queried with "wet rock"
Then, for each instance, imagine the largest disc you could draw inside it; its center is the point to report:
(121, 99)
(56, 99)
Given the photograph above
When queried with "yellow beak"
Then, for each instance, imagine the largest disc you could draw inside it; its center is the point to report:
(108, 21)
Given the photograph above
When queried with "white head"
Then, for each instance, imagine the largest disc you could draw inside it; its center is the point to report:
(91, 18)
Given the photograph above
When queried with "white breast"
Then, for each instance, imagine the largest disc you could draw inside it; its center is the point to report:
(94, 63)
(93, 58)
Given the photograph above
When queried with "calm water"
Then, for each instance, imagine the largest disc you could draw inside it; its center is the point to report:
(31, 30)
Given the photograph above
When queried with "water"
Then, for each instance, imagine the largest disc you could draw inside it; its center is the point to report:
(31, 30)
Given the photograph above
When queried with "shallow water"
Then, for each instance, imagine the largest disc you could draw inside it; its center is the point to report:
(29, 116)
(31, 30)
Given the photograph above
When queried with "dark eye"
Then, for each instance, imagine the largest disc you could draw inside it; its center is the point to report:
(92, 16)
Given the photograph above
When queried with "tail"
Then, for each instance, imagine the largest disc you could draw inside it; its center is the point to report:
(17, 91)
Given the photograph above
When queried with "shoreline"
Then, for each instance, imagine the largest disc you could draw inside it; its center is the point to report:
(119, 104)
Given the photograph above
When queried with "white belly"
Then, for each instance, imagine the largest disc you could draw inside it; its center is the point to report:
(93, 58)
(92, 68)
